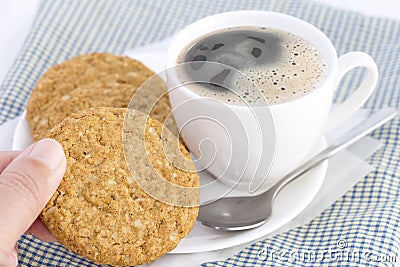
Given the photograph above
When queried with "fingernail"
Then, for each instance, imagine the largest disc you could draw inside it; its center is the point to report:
(48, 151)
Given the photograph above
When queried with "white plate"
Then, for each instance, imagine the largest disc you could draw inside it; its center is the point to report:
(289, 203)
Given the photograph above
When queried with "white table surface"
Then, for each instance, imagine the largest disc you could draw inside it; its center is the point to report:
(16, 18)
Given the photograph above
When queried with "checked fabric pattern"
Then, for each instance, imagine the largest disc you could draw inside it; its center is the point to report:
(365, 221)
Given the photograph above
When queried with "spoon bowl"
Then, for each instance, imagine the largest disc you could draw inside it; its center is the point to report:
(249, 212)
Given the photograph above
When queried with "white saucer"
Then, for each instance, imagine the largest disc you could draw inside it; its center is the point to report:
(289, 203)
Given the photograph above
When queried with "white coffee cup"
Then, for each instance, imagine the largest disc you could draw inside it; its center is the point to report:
(254, 146)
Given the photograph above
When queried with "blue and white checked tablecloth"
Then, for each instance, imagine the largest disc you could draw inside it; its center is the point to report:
(360, 229)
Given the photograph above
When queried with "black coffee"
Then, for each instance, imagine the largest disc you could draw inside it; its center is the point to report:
(282, 65)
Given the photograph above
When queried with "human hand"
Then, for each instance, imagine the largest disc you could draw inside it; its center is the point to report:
(28, 179)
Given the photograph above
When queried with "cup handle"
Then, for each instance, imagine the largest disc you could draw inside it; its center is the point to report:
(346, 63)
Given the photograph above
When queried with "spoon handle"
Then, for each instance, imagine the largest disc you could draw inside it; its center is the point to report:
(360, 130)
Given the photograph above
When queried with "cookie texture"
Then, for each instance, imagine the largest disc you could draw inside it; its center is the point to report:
(151, 98)
(61, 79)
(100, 210)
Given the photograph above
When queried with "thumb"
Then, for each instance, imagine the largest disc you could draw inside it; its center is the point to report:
(26, 185)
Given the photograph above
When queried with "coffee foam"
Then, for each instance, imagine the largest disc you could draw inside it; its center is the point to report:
(291, 69)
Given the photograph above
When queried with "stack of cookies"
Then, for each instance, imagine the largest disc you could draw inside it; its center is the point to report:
(122, 200)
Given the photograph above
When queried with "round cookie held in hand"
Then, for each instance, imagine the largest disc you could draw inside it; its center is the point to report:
(99, 210)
